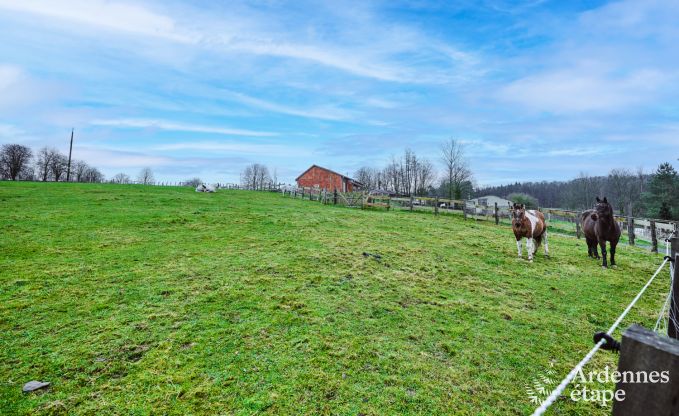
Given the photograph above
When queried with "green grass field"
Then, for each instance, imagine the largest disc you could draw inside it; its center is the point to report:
(147, 300)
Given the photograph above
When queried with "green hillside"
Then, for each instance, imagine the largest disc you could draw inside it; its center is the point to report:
(150, 300)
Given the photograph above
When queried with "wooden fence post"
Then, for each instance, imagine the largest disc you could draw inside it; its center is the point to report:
(464, 209)
(645, 355)
(654, 238)
(334, 197)
(497, 216)
(411, 203)
(630, 230)
(436, 206)
(578, 231)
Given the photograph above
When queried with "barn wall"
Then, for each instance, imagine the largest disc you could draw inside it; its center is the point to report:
(322, 179)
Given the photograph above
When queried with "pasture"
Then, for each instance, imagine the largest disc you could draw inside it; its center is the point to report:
(151, 300)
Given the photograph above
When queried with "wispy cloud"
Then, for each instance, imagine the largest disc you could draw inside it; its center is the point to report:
(266, 149)
(377, 61)
(107, 15)
(172, 126)
(324, 113)
(583, 90)
(10, 132)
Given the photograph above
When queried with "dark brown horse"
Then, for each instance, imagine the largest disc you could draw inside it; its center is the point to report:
(530, 224)
(599, 226)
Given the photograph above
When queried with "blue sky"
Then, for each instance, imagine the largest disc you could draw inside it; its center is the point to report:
(538, 90)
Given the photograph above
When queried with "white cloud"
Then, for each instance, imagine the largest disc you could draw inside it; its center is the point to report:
(19, 90)
(396, 54)
(346, 60)
(9, 75)
(236, 147)
(8, 131)
(581, 90)
(172, 126)
(119, 159)
(323, 113)
(116, 16)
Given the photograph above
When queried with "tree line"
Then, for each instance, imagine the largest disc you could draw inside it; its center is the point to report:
(412, 175)
(18, 162)
(654, 195)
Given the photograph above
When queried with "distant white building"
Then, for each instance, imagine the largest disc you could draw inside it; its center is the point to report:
(483, 203)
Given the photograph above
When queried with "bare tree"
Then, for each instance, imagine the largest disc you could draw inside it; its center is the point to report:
(409, 172)
(456, 168)
(14, 160)
(44, 162)
(193, 182)
(369, 177)
(425, 177)
(121, 178)
(93, 175)
(622, 188)
(78, 170)
(392, 176)
(255, 176)
(145, 177)
(585, 188)
(58, 166)
(262, 176)
(274, 178)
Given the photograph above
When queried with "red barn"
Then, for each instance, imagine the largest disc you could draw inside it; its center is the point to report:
(327, 179)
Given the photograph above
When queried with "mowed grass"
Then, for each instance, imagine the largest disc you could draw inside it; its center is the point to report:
(148, 300)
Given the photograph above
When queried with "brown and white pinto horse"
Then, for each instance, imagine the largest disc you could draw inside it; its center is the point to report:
(530, 224)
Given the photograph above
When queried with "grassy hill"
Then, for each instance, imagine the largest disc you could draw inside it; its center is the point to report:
(139, 300)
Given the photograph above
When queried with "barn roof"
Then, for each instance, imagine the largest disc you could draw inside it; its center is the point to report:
(328, 170)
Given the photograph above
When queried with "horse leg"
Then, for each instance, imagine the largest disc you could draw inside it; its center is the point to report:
(602, 243)
(529, 248)
(518, 246)
(613, 245)
(546, 245)
(595, 250)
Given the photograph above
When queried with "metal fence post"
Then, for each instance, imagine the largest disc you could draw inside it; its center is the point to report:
(673, 321)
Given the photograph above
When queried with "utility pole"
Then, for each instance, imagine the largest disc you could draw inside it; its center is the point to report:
(70, 150)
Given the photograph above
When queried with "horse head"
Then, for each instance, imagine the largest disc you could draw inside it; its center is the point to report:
(518, 212)
(603, 209)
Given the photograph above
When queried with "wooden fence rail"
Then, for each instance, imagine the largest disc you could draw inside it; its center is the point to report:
(645, 232)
